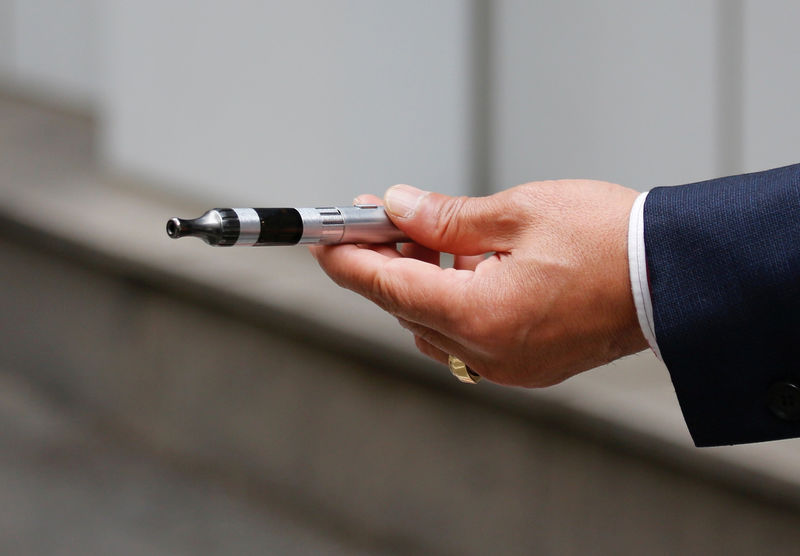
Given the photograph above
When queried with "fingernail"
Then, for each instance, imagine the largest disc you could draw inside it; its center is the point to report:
(402, 200)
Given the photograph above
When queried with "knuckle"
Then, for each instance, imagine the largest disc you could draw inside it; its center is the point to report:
(519, 195)
(422, 344)
(508, 211)
(520, 201)
(382, 293)
(425, 334)
(427, 349)
(535, 196)
(448, 218)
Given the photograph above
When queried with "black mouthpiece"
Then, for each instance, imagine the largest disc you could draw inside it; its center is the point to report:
(215, 227)
(177, 228)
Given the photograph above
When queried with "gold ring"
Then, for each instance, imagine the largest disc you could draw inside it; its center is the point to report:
(461, 371)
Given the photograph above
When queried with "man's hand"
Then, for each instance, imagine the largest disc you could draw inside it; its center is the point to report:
(540, 288)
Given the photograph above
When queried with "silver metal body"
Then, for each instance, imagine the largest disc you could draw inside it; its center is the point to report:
(356, 224)
(249, 226)
(289, 226)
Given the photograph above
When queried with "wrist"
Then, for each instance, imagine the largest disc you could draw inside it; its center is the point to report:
(637, 264)
(630, 335)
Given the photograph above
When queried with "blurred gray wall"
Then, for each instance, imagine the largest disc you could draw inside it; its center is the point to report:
(622, 91)
(315, 101)
(770, 84)
(290, 102)
(53, 50)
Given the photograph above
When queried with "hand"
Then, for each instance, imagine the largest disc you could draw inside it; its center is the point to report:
(540, 289)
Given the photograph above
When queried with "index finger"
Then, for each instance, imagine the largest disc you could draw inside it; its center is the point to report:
(368, 199)
(410, 249)
(408, 288)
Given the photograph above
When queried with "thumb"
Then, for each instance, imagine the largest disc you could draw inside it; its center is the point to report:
(459, 225)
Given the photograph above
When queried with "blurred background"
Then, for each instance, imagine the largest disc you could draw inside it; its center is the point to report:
(170, 398)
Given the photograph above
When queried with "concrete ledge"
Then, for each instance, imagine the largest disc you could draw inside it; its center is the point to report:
(381, 461)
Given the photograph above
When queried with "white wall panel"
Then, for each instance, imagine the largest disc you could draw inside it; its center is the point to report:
(56, 48)
(289, 102)
(284, 101)
(620, 90)
(771, 84)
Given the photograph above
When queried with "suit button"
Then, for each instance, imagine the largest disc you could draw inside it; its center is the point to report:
(784, 400)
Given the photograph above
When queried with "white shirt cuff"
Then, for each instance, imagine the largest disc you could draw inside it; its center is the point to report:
(637, 264)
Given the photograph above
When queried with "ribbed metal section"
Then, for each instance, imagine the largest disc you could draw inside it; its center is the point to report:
(230, 226)
(332, 224)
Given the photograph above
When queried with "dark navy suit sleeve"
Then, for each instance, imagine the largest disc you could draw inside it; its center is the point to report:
(723, 259)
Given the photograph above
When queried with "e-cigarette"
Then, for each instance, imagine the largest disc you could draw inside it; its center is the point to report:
(289, 226)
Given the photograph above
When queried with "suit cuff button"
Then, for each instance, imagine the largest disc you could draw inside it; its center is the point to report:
(784, 400)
